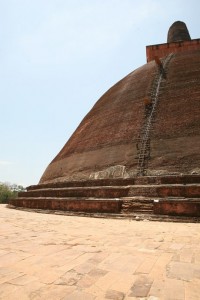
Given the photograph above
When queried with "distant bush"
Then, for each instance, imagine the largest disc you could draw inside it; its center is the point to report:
(6, 193)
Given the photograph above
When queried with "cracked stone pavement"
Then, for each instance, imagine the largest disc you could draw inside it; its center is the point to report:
(48, 256)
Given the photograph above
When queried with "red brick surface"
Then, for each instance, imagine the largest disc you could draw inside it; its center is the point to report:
(183, 208)
(103, 146)
(161, 50)
(107, 135)
(169, 195)
(81, 205)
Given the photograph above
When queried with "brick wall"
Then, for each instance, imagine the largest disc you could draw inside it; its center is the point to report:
(161, 50)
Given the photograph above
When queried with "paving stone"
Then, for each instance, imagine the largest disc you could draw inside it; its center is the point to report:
(52, 292)
(114, 295)
(22, 280)
(77, 295)
(28, 291)
(96, 291)
(3, 252)
(174, 289)
(157, 289)
(44, 256)
(78, 260)
(141, 287)
(159, 268)
(179, 270)
(10, 258)
(176, 257)
(186, 255)
(197, 271)
(86, 281)
(47, 276)
(106, 281)
(98, 257)
(84, 268)
(6, 277)
(197, 257)
(97, 273)
(176, 246)
(147, 265)
(124, 284)
(192, 289)
(7, 289)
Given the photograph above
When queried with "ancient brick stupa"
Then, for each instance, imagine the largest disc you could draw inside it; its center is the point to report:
(139, 146)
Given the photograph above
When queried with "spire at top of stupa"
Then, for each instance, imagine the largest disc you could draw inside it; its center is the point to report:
(178, 32)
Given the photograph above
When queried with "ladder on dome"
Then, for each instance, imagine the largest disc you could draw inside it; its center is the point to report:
(143, 141)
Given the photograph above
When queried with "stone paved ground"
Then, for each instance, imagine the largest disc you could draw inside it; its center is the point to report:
(73, 258)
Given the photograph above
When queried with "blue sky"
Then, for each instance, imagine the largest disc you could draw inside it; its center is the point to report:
(58, 57)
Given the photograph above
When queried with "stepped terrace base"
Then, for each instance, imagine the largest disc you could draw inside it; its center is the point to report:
(75, 205)
(151, 195)
(178, 207)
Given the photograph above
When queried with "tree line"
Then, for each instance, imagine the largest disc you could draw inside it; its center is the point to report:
(9, 191)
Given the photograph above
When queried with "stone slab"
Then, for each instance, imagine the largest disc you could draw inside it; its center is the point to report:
(45, 256)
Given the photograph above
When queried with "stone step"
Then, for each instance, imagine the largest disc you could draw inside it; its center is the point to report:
(167, 190)
(138, 216)
(126, 205)
(93, 205)
(164, 190)
(137, 204)
(170, 205)
(85, 183)
(167, 195)
(177, 206)
(95, 191)
(169, 179)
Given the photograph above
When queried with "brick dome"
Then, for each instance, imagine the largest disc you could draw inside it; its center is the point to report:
(146, 124)
(107, 143)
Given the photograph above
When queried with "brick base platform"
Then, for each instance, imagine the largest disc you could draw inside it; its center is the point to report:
(152, 195)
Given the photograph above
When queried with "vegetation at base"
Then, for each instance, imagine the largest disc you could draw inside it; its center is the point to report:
(9, 191)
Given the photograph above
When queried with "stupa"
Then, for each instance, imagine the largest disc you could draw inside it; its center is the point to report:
(138, 149)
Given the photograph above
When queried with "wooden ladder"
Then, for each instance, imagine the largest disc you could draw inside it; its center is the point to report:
(143, 141)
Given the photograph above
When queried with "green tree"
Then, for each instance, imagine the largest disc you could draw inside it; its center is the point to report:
(6, 193)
